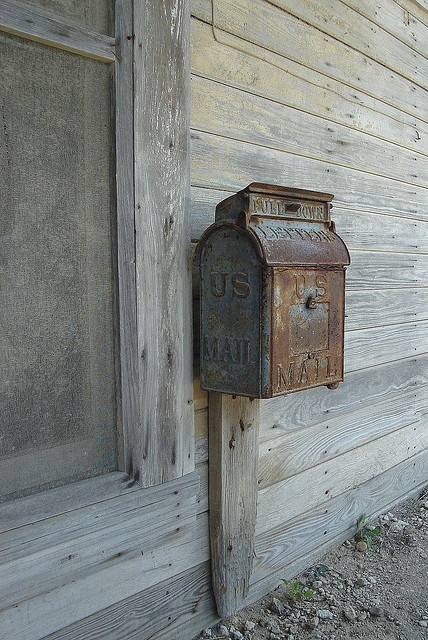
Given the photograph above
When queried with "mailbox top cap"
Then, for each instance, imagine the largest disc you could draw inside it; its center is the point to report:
(289, 227)
(288, 192)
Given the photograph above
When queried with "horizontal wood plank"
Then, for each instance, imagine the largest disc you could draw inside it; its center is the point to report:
(366, 309)
(376, 232)
(37, 572)
(48, 504)
(254, 69)
(417, 8)
(361, 390)
(356, 30)
(370, 347)
(174, 608)
(229, 165)
(33, 538)
(267, 26)
(401, 23)
(385, 270)
(306, 448)
(307, 537)
(341, 474)
(226, 111)
(48, 613)
(40, 26)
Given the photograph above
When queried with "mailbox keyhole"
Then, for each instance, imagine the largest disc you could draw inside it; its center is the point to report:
(311, 303)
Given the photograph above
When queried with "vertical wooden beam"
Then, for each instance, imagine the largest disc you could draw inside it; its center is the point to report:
(164, 440)
(233, 456)
(124, 108)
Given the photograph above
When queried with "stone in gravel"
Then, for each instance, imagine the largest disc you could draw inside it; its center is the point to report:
(375, 612)
(224, 631)
(349, 613)
(361, 546)
(277, 606)
(324, 614)
(398, 526)
(249, 626)
(314, 622)
(236, 635)
(423, 623)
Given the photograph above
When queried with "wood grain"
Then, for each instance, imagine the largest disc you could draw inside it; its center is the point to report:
(356, 30)
(55, 31)
(127, 289)
(401, 23)
(267, 26)
(336, 476)
(174, 608)
(307, 537)
(254, 69)
(233, 446)
(161, 446)
(361, 390)
(229, 165)
(104, 550)
(303, 449)
(226, 111)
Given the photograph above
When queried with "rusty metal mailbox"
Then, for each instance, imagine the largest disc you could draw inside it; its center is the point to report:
(272, 272)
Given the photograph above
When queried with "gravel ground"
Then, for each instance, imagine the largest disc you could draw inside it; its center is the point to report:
(354, 592)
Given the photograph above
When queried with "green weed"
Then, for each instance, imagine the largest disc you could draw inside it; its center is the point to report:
(366, 533)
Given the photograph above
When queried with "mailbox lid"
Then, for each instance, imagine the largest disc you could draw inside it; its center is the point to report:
(291, 226)
(296, 242)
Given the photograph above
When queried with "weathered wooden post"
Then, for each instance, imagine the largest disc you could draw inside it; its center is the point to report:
(233, 454)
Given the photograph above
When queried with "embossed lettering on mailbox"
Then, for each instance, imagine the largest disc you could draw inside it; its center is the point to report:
(272, 294)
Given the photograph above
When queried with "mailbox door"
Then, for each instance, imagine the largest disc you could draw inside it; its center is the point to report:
(230, 313)
(308, 326)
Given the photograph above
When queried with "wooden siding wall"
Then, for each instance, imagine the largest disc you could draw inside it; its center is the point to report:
(282, 95)
(328, 95)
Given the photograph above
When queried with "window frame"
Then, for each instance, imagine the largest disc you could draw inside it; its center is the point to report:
(155, 399)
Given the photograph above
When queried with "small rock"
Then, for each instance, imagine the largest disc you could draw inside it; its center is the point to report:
(423, 623)
(410, 530)
(349, 613)
(236, 635)
(375, 612)
(398, 526)
(324, 614)
(277, 606)
(249, 626)
(224, 631)
(207, 633)
(362, 616)
(361, 546)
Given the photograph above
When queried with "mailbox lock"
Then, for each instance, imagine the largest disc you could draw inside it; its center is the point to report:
(311, 303)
